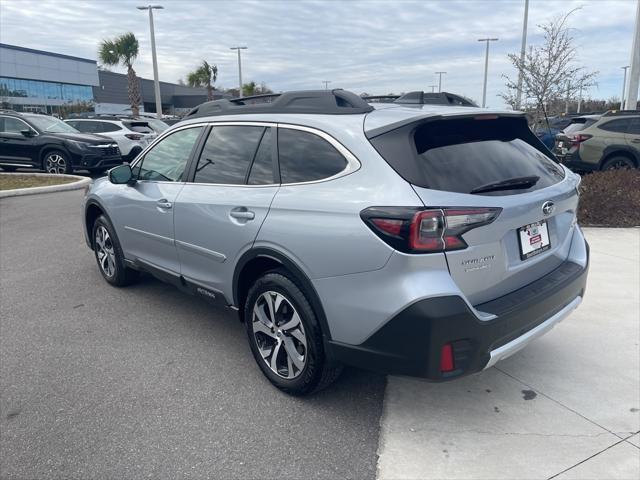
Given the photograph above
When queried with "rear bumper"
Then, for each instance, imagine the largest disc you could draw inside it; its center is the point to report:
(411, 342)
(574, 162)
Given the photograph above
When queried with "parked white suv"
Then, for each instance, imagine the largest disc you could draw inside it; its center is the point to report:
(131, 135)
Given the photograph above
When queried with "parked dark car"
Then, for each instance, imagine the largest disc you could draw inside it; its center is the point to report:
(43, 142)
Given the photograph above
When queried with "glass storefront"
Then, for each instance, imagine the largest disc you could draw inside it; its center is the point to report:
(14, 87)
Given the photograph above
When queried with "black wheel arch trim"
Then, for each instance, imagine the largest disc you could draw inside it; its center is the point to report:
(298, 275)
(95, 203)
(621, 150)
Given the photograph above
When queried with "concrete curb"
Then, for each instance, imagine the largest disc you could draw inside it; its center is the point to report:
(16, 192)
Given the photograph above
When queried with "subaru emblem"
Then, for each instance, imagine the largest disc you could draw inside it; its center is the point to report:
(548, 208)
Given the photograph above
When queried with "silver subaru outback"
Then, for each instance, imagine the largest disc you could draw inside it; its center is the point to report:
(422, 240)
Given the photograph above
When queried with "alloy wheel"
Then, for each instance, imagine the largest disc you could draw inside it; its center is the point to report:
(279, 335)
(55, 163)
(105, 252)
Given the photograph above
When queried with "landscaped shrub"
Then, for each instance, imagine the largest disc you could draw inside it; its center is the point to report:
(610, 199)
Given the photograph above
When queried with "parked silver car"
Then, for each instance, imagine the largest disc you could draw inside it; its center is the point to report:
(430, 241)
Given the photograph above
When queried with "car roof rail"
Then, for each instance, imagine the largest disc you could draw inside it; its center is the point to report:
(380, 98)
(618, 113)
(329, 102)
(435, 98)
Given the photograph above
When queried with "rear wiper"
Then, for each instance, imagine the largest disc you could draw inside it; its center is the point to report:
(515, 183)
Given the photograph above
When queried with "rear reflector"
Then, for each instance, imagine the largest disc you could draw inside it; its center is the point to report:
(446, 358)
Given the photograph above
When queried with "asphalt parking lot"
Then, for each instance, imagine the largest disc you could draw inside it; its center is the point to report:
(98, 382)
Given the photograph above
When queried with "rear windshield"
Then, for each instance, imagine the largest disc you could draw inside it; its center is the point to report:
(579, 124)
(467, 155)
(139, 127)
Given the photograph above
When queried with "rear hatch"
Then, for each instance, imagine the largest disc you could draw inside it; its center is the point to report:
(467, 164)
(569, 140)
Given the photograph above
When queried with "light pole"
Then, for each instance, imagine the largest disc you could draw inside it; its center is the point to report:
(440, 80)
(486, 68)
(624, 85)
(631, 102)
(522, 53)
(326, 84)
(239, 69)
(156, 81)
(433, 88)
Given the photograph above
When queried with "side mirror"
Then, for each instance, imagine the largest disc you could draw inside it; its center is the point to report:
(27, 133)
(121, 175)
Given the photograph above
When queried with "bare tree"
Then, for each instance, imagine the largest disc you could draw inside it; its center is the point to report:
(549, 71)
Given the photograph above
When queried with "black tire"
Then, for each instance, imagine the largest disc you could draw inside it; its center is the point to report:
(316, 373)
(618, 163)
(113, 269)
(9, 169)
(57, 162)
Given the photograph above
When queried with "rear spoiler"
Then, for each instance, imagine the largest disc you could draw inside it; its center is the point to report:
(433, 118)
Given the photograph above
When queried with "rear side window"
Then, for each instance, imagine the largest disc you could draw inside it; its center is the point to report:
(228, 154)
(85, 127)
(465, 155)
(305, 157)
(634, 129)
(109, 127)
(618, 126)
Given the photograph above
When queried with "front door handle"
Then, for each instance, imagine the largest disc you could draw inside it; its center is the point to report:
(164, 204)
(635, 140)
(242, 213)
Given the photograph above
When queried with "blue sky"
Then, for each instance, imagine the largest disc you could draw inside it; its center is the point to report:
(369, 46)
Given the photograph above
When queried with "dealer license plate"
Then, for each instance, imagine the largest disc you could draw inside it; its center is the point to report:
(534, 239)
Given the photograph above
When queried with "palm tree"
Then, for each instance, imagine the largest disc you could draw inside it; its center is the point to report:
(204, 76)
(123, 50)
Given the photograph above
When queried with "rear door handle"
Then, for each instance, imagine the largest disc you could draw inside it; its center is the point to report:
(164, 204)
(242, 213)
(635, 140)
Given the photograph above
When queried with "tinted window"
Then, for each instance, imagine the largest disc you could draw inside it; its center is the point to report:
(139, 127)
(13, 125)
(262, 168)
(579, 124)
(305, 157)
(634, 129)
(227, 155)
(109, 127)
(618, 126)
(167, 160)
(463, 155)
(84, 127)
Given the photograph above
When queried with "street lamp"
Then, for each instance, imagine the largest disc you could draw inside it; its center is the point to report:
(326, 84)
(624, 85)
(522, 54)
(156, 81)
(239, 69)
(486, 68)
(440, 80)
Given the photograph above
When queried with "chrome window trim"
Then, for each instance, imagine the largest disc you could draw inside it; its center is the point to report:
(20, 120)
(353, 164)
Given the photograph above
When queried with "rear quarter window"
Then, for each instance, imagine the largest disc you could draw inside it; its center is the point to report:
(462, 155)
(305, 157)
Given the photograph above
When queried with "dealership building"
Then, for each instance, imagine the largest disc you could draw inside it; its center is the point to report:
(39, 81)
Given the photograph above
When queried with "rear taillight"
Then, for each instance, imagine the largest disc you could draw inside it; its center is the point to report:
(578, 138)
(414, 230)
(133, 136)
